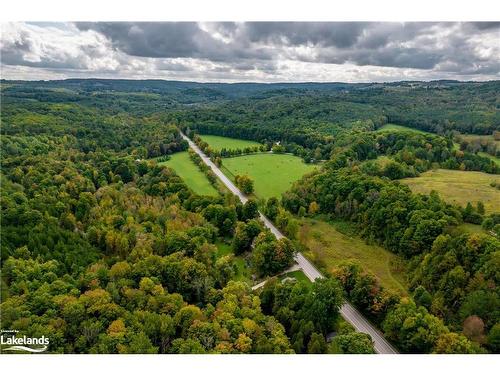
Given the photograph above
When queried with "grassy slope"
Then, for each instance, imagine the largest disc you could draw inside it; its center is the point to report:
(459, 187)
(394, 127)
(189, 172)
(387, 127)
(273, 174)
(331, 247)
(218, 143)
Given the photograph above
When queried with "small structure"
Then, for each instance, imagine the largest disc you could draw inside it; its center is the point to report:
(330, 336)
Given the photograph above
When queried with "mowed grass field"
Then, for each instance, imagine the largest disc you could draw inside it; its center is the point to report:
(459, 187)
(273, 174)
(217, 142)
(330, 246)
(388, 127)
(189, 172)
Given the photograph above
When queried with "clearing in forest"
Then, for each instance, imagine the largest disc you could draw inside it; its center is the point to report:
(217, 143)
(389, 127)
(333, 243)
(459, 187)
(240, 264)
(190, 174)
(273, 174)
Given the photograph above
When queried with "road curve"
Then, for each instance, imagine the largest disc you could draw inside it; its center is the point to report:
(348, 312)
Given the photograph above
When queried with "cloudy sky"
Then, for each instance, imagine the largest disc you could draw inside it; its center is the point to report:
(262, 52)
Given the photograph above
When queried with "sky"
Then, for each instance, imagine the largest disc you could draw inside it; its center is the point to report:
(252, 51)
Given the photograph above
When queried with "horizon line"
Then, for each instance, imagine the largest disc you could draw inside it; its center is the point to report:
(246, 82)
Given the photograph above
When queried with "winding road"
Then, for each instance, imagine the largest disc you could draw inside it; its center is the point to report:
(348, 312)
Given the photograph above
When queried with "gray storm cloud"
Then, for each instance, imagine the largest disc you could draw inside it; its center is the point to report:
(257, 50)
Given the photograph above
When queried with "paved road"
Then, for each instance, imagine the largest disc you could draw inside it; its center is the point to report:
(293, 268)
(348, 312)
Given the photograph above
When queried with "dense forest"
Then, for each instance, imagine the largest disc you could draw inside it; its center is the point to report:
(105, 251)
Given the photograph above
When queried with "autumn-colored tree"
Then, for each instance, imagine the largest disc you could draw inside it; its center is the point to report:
(473, 328)
(245, 183)
(454, 343)
(313, 208)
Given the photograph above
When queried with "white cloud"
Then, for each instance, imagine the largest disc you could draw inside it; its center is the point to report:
(56, 48)
(241, 52)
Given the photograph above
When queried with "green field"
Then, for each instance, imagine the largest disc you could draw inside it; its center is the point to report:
(218, 143)
(329, 246)
(388, 127)
(189, 172)
(273, 174)
(459, 187)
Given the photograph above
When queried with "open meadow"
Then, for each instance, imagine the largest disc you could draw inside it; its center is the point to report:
(391, 127)
(217, 143)
(332, 243)
(189, 172)
(459, 187)
(273, 174)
